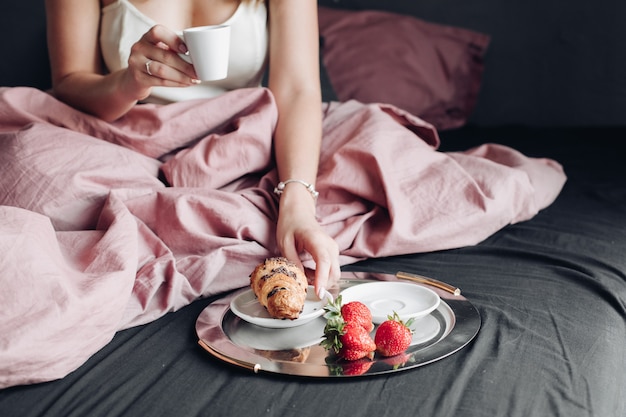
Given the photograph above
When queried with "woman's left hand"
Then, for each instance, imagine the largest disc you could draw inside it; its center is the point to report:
(298, 232)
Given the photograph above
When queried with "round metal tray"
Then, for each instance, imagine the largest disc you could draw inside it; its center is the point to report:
(296, 350)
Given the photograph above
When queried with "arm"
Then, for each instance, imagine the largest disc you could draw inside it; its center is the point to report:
(78, 74)
(294, 81)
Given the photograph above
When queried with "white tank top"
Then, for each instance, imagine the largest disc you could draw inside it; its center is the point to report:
(123, 24)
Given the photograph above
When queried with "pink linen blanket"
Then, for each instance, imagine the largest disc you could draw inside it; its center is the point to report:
(92, 240)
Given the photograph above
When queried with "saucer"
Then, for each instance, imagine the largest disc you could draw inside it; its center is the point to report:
(248, 308)
(384, 297)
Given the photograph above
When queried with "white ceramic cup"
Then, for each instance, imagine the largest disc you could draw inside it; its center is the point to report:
(208, 50)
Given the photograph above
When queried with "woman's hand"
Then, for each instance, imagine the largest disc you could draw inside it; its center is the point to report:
(154, 61)
(298, 232)
(78, 75)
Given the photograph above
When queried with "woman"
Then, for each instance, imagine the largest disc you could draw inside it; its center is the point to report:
(108, 55)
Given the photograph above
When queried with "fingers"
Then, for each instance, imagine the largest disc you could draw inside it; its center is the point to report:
(290, 252)
(322, 277)
(327, 271)
(325, 253)
(155, 59)
(165, 38)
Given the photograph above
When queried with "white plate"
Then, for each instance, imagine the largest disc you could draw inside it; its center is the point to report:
(383, 298)
(246, 306)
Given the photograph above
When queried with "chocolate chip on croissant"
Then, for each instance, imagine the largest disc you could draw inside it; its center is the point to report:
(280, 286)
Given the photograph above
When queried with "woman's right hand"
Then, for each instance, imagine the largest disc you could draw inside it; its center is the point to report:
(154, 61)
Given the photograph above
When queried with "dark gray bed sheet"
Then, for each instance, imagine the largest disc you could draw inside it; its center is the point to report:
(551, 293)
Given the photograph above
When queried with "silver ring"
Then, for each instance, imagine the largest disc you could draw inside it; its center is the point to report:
(148, 67)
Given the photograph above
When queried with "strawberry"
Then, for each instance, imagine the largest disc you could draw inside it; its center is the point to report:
(357, 312)
(349, 340)
(393, 336)
(356, 343)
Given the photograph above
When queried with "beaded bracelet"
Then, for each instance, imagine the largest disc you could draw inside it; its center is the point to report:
(309, 187)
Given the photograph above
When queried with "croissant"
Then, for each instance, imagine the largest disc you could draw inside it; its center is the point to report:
(280, 286)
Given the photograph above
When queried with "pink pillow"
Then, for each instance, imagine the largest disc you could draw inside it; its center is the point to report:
(430, 70)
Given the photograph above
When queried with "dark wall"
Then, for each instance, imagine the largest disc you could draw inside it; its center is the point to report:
(23, 53)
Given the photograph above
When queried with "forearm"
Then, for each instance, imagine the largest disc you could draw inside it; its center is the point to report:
(103, 96)
(297, 147)
(294, 81)
(298, 136)
(76, 63)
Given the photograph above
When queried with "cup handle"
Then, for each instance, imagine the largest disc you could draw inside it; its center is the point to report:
(186, 57)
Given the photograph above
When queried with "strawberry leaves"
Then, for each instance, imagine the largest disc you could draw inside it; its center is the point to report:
(349, 339)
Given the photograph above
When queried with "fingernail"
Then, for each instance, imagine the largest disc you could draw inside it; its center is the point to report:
(195, 81)
(321, 292)
(183, 49)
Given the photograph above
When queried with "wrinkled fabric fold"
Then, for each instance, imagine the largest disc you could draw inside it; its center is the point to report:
(93, 241)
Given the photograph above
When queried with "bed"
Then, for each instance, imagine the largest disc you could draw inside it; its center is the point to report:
(549, 291)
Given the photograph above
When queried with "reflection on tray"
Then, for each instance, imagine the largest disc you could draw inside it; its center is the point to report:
(298, 355)
(246, 334)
